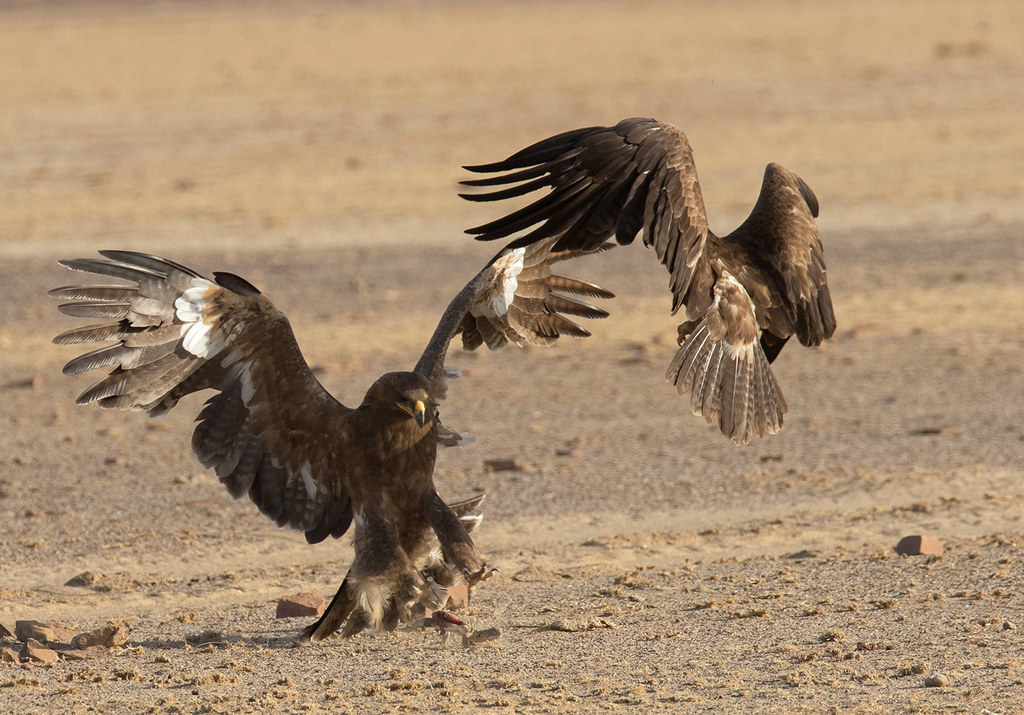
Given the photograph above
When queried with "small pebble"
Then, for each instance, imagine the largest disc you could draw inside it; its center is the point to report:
(502, 465)
(936, 680)
(918, 545)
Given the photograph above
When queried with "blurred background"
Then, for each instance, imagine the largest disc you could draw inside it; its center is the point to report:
(155, 124)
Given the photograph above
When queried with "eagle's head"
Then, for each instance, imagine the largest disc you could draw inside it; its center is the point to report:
(405, 392)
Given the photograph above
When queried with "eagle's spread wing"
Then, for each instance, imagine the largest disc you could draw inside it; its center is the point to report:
(515, 298)
(271, 431)
(781, 237)
(768, 275)
(605, 182)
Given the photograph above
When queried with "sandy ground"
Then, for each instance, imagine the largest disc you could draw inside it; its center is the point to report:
(315, 151)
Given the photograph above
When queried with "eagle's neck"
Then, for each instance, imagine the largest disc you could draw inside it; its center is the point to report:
(395, 445)
(403, 434)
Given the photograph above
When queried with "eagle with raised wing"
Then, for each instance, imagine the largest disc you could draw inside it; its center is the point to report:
(273, 432)
(744, 295)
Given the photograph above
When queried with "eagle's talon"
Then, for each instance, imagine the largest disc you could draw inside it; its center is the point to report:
(475, 577)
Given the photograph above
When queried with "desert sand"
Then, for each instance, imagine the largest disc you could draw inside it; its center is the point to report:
(646, 563)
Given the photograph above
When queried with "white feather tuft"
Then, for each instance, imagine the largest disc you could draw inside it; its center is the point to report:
(373, 595)
(193, 301)
(503, 290)
(196, 339)
(191, 307)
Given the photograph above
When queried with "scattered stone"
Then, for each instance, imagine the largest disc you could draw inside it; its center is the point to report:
(1009, 626)
(9, 655)
(833, 635)
(919, 545)
(866, 645)
(940, 430)
(212, 638)
(502, 465)
(578, 625)
(936, 680)
(107, 637)
(301, 605)
(90, 653)
(6, 630)
(86, 578)
(43, 632)
(800, 555)
(458, 596)
(36, 651)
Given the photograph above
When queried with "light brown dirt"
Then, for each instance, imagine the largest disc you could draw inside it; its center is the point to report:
(315, 151)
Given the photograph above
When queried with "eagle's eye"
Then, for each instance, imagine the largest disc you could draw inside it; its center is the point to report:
(414, 408)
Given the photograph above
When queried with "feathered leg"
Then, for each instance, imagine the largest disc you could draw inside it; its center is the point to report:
(456, 544)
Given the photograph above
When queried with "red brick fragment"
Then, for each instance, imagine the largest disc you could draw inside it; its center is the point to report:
(301, 605)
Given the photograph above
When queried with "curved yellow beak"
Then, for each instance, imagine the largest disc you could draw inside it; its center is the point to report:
(418, 411)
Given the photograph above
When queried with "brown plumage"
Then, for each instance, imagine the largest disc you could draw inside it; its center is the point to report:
(271, 431)
(744, 294)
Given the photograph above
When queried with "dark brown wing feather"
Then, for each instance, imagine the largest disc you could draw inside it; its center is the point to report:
(780, 238)
(610, 181)
(515, 298)
(270, 431)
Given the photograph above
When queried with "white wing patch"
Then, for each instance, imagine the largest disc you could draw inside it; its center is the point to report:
(191, 308)
(503, 290)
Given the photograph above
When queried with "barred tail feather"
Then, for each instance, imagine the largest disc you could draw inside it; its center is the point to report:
(730, 386)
